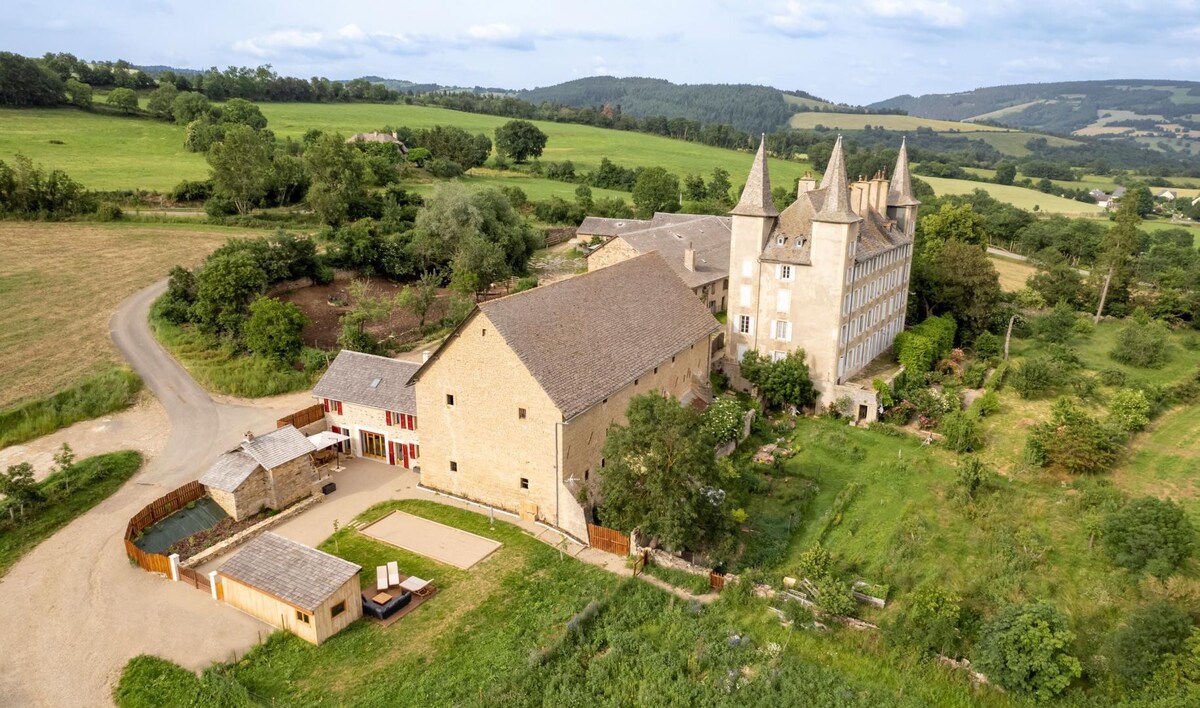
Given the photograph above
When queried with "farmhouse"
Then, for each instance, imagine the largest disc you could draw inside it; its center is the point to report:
(695, 246)
(516, 403)
(368, 398)
(829, 275)
(270, 471)
(1166, 195)
(307, 592)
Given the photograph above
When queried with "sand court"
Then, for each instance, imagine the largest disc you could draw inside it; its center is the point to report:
(446, 544)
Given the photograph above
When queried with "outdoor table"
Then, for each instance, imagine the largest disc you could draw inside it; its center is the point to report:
(381, 598)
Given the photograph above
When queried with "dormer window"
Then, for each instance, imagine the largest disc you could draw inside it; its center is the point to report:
(781, 241)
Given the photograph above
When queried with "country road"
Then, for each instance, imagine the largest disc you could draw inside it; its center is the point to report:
(73, 609)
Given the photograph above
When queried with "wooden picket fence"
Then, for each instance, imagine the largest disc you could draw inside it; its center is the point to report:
(304, 417)
(716, 580)
(607, 539)
(152, 513)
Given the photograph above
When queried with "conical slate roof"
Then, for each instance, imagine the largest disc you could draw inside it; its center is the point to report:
(756, 197)
(836, 207)
(900, 190)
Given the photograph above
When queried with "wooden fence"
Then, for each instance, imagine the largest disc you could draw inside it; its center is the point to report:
(716, 580)
(639, 565)
(607, 539)
(558, 235)
(301, 418)
(152, 513)
(195, 579)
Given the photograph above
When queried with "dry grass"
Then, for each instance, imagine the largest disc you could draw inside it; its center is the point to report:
(60, 284)
(1013, 274)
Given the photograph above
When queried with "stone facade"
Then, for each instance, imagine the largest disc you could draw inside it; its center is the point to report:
(481, 448)
(268, 489)
(402, 443)
(814, 290)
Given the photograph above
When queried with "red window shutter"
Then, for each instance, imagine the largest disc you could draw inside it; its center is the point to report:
(402, 420)
(392, 454)
(407, 421)
(325, 402)
(404, 452)
(389, 417)
(339, 407)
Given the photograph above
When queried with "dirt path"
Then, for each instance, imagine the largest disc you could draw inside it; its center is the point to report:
(74, 611)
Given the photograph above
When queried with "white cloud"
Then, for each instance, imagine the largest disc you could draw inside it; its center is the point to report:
(802, 19)
(938, 13)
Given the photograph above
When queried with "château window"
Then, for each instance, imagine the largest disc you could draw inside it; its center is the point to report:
(781, 241)
(744, 324)
(449, 399)
(785, 272)
(778, 356)
(524, 483)
(783, 330)
(453, 466)
(521, 413)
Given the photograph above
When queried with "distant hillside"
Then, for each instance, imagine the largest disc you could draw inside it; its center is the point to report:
(403, 85)
(744, 106)
(1163, 115)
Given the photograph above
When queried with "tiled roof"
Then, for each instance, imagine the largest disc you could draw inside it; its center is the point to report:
(350, 377)
(587, 337)
(229, 471)
(278, 447)
(600, 226)
(900, 190)
(708, 235)
(835, 208)
(756, 196)
(300, 576)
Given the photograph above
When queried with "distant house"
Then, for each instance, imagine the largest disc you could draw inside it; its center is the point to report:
(1118, 193)
(307, 592)
(695, 246)
(1166, 195)
(517, 402)
(1098, 195)
(378, 137)
(270, 471)
(367, 398)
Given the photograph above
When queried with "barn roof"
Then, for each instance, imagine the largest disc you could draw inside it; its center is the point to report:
(269, 451)
(292, 572)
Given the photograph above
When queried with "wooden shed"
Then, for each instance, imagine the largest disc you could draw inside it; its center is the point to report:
(307, 592)
(270, 471)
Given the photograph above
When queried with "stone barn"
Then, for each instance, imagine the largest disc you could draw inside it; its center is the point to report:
(270, 471)
(288, 585)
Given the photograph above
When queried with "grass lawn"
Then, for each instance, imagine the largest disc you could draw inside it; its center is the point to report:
(528, 628)
(1013, 273)
(68, 279)
(536, 188)
(1162, 461)
(91, 398)
(1017, 196)
(89, 482)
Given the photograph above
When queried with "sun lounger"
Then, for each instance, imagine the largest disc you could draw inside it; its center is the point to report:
(393, 573)
(417, 586)
(381, 577)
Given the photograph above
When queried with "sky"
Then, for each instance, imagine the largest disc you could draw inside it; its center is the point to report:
(852, 51)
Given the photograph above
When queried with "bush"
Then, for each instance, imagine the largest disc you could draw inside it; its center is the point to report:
(929, 621)
(1073, 442)
(1038, 376)
(961, 430)
(527, 283)
(1148, 534)
(274, 328)
(192, 191)
(987, 345)
(1148, 635)
(987, 404)
(971, 476)
(1112, 377)
(444, 169)
(975, 375)
(1024, 649)
(723, 420)
(1143, 343)
(1129, 410)
(1056, 325)
(109, 212)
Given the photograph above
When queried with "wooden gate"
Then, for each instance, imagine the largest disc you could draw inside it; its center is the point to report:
(195, 579)
(639, 565)
(607, 539)
(716, 580)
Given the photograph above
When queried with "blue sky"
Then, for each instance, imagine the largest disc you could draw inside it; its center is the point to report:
(856, 51)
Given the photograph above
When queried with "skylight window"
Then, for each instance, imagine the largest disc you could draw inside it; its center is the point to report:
(375, 382)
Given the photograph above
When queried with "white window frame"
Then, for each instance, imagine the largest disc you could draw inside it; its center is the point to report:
(745, 324)
(781, 330)
(785, 272)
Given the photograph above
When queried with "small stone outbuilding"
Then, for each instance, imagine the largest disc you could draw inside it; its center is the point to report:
(288, 585)
(270, 471)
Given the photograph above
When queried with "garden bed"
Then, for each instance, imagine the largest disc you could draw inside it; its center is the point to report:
(206, 538)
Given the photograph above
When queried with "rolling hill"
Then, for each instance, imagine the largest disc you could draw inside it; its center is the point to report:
(1163, 115)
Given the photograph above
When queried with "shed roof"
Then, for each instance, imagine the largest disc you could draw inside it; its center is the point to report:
(369, 380)
(588, 337)
(269, 451)
(292, 572)
(708, 235)
(229, 471)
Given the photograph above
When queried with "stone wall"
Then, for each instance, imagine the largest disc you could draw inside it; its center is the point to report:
(356, 419)
(250, 497)
(292, 481)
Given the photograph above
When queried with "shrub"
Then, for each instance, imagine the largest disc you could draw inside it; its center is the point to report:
(1148, 635)
(987, 404)
(987, 345)
(274, 328)
(109, 212)
(971, 476)
(961, 430)
(1112, 377)
(975, 375)
(1143, 343)
(1024, 650)
(527, 283)
(442, 168)
(1129, 410)
(1037, 376)
(783, 382)
(723, 419)
(192, 191)
(1073, 441)
(929, 621)
(1056, 325)
(1148, 534)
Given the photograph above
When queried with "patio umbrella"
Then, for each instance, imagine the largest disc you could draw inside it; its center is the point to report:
(325, 439)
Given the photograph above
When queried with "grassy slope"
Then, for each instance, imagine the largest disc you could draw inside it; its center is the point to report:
(101, 151)
(1162, 461)
(87, 484)
(92, 397)
(1017, 196)
(1013, 273)
(59, 334)
(856, 121)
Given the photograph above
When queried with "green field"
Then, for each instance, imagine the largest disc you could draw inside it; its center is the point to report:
(109, 152)
(1017, 196)
(537, 189)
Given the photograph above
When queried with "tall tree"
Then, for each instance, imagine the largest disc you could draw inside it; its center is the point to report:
(661, 474)
(520, 140)
(1117, 247)
(419, 297)
(123, 99)
(336, 170)
(241, 166)
(656, 190)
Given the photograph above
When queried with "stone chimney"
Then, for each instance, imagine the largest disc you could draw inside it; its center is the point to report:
(806, 184)
(249, 437)
(689, 257)
(859, 196)
(877, 193)
(425, 356)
